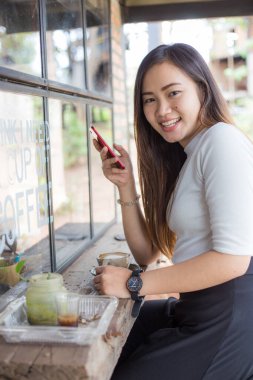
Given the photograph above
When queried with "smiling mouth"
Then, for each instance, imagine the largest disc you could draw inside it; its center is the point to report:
(171, 123)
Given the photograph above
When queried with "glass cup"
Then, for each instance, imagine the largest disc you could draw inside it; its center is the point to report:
(67, 305)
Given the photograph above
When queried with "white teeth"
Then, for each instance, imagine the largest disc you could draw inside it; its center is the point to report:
(170, 123)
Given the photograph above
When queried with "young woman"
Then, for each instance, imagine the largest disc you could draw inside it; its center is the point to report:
(196, 177)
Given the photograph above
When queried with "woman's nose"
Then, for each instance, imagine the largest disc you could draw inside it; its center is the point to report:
(163, 108)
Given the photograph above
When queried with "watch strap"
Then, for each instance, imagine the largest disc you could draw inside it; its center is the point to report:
(137, 271)
(136, 308)
(135, 296)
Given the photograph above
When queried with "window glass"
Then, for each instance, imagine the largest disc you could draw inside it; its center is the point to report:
(103, 205)
(19, 36)
(65, 52)
(24, 218)
(98, 53)
(69, 167)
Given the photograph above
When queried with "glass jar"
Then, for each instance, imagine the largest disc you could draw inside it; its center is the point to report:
(40, 298)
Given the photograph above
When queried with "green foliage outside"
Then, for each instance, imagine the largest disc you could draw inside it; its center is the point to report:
(242, 113)
(20, 47)
(242, 106)
(101, 114)
(238, 73)
(74, 145)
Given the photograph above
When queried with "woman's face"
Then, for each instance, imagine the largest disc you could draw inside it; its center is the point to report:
(171, 103)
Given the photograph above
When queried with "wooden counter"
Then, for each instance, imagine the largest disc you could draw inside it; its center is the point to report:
(71, 362)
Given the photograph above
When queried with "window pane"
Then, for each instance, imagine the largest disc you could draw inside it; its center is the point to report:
(19, 36)
(103, 204)
(98, 53)
(70, 177)
(23, 189)
(65, 52)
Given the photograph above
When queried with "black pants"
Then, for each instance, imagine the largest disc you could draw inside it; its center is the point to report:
(206, 335)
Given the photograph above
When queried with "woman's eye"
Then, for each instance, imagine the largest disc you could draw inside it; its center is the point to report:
(148, 100)
(174, 93)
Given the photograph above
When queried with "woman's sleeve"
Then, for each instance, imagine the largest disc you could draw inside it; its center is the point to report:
(226, 165)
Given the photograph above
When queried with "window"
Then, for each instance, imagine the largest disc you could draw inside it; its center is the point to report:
(55, 80)
(65, 50)
(24, 212)
(69, 166)
(97, 39)
(19, 36)
(103, 192)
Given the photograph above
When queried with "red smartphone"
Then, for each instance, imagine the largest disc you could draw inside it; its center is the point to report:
(102, 143)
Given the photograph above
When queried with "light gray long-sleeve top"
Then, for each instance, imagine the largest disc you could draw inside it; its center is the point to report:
(212, 207)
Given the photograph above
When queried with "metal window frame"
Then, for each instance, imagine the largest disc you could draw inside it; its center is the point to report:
(23, 83)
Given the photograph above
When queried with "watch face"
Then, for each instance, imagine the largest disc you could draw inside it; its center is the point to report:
(134, 284)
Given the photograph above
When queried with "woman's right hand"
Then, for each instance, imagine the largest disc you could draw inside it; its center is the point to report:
(119, 177)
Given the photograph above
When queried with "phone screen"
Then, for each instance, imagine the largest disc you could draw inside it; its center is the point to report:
(102, 143)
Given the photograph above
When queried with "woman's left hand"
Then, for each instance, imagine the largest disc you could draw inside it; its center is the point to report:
(112, 280)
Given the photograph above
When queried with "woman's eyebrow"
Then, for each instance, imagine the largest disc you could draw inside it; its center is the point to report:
(170, 85)
(163, 88)
(147, 93)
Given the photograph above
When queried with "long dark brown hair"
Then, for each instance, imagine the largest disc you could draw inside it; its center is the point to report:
(160, 162)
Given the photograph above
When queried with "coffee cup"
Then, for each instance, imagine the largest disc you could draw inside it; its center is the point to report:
(118, 259)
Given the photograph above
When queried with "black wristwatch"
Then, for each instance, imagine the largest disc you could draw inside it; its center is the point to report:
(134, 285)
